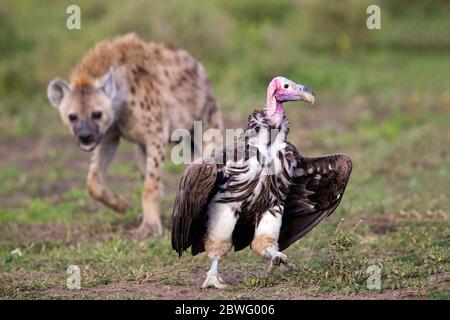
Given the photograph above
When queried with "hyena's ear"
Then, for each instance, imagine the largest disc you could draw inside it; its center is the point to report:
(56, 91)
(108, 84)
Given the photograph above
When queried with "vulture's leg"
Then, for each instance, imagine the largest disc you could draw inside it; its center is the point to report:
(221, 222)
(212, 277)
(265, 241)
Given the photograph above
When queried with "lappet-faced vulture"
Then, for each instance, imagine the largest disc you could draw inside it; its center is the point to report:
(265, 194)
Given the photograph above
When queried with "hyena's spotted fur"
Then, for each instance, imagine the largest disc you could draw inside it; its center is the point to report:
(143, 91)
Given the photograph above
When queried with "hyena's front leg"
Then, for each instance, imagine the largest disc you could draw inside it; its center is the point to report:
(151, 221)
(100, 161)
(141, 158)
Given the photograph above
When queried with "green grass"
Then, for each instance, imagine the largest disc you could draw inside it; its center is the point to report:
(382, 98)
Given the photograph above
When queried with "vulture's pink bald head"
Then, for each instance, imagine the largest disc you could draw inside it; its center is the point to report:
(280, 90)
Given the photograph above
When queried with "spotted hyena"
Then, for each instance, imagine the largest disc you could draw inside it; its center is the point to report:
(140, 91)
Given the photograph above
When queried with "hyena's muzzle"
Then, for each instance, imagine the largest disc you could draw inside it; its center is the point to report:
(87, 135)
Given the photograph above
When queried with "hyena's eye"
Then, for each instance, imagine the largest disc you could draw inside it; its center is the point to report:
(73, 117)
(96, 115)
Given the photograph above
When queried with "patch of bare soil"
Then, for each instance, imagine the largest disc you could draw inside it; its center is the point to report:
(70, 234)
(32, 152)
(387, 223)
(382, 224)
(151, 291)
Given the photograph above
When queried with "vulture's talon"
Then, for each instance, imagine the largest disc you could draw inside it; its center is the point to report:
(276, 261)
(213, 280)
(279, 258)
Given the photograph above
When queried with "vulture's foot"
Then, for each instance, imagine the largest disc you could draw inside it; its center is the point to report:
(213, 280)
(281, 258)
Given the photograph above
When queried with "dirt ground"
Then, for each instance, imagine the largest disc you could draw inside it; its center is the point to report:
(48, 215)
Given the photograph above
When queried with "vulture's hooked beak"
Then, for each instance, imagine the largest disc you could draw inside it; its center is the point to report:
(290, 91)
(306, 94)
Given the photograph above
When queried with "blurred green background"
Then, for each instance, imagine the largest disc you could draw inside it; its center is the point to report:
(323, 44)
(383, 97)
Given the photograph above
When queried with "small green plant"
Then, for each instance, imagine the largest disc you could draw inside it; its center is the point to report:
(259, 282)
(438, 259)
(343, 267)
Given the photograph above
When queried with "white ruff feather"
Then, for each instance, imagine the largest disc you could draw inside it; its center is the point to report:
(262, 166)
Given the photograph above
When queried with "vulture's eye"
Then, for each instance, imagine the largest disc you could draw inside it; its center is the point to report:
(96, 115)
(286, 86)
(73, 117)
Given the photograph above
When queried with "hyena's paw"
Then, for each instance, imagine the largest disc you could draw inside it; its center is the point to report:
(119, 205)
(147, 230)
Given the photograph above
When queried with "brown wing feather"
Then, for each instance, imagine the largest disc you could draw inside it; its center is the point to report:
(189, 216)
(315, 193)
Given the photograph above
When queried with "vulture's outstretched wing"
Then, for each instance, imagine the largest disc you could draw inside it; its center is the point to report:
(315, 193)
(189, 211)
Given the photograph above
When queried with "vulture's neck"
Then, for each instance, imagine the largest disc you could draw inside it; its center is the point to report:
(274, 108)
(270, 118)
(262, 123)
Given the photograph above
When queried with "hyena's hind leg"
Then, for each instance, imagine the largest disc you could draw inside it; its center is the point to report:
(212, 119)
(101, 159)
(154, 153)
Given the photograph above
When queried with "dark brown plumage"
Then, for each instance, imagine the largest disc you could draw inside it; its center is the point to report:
(199, 183)
(323, 194)
(189, 217)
